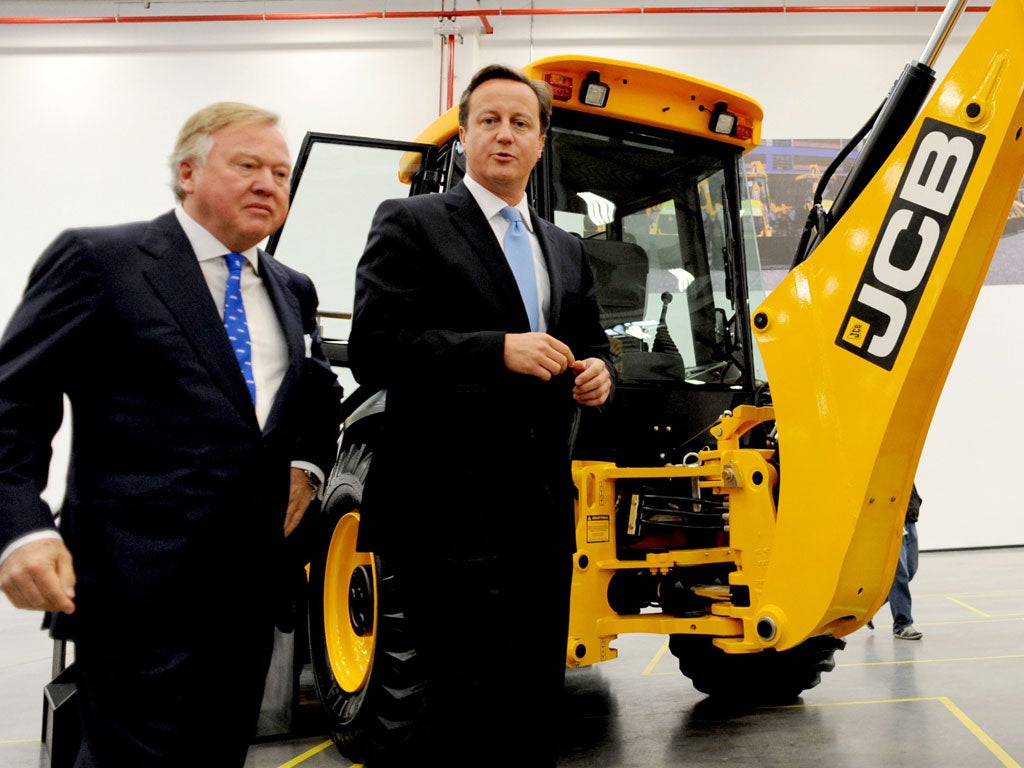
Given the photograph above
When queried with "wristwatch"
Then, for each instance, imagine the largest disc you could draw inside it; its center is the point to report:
(315, 483)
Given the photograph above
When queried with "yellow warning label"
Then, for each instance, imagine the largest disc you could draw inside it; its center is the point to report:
(856, 331)
(598, 529)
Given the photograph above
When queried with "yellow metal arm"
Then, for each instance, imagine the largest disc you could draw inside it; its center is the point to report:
(879, 310)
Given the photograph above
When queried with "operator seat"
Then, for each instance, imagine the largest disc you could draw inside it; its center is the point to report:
(620, 277)
(620, 272)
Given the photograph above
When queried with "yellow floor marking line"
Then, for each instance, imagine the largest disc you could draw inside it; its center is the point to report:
(987, 741)
(307, 754)
(969, 607)
(980, 735)
(859, 703)
(655, 659)
(894, 662)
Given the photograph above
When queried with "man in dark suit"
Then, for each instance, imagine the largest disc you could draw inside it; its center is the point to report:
(183, 482)
(470, 493)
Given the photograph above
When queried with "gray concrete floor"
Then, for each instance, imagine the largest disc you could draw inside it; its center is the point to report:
(951, 699)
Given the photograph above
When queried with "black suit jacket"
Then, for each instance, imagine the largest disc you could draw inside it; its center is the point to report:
(175, 497)
(474, 457)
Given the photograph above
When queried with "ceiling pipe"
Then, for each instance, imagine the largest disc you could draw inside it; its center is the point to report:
(481, 14)
(451, 71)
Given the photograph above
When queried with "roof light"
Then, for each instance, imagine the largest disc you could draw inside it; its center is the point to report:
(593, 92)
(561, 86)
(722, 120)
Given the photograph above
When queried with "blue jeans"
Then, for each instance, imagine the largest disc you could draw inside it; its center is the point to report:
(899, 593)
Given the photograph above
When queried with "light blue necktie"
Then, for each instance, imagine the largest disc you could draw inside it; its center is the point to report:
(235, 323)
(520, 258)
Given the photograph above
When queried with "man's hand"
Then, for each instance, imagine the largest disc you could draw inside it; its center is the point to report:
(537, 354)
(39, 576)
(299, 497)
(593, 382)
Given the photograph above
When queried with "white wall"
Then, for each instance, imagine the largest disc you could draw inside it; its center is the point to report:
(89, 112)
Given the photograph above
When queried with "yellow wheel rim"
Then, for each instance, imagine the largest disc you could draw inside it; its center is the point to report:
(350, 606)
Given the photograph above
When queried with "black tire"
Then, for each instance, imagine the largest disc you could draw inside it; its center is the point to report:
(364, 667)
(767, 678)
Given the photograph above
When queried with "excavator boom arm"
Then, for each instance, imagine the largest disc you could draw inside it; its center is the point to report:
(881, 306)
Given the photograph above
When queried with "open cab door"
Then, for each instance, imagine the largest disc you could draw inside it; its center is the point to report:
(337, 184)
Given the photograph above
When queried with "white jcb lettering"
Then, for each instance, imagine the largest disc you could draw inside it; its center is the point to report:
(927, 183)
(915, 227)
(891, 307)
(893, 276)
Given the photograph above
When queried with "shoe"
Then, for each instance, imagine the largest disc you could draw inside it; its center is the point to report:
(907, 633)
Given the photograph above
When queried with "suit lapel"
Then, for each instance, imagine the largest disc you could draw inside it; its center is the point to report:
(555, 277)
(177, 279)
(496, 278)
(289, 314)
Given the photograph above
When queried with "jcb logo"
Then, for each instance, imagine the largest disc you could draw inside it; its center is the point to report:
(912, 235)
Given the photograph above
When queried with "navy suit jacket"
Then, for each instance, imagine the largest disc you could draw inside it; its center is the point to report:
(175, 497)
(474, 456)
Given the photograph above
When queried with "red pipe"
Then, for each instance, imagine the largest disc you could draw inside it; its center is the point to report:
(482, 14)
(451, 70)
(440, 68)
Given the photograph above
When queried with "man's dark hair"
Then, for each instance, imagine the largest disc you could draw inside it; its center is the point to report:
(502, 72)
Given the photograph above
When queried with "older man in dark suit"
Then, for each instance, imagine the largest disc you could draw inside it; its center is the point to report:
(470, 494)
(193, 454)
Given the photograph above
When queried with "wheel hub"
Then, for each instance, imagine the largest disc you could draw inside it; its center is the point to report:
(360, 600)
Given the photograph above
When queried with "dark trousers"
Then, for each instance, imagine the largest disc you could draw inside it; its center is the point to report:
(492, 632)
(152, 701)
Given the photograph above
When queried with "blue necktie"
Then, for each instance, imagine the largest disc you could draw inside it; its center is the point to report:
(520, 258)
(235, 323)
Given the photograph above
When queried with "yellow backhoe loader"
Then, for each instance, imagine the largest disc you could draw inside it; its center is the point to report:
(745, 495)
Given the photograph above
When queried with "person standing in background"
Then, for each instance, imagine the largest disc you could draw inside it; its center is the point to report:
(899, 599)
(470, 494)
(204, 415)
(899, 594)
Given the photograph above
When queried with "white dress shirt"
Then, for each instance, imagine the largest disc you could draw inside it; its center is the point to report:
(269, 350)
(491, 205)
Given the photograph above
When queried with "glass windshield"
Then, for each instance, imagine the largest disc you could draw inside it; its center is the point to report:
(657, 214)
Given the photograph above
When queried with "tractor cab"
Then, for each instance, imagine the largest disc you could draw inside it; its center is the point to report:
(645, 166)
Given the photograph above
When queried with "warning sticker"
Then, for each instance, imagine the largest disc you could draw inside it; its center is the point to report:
(598, 529)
